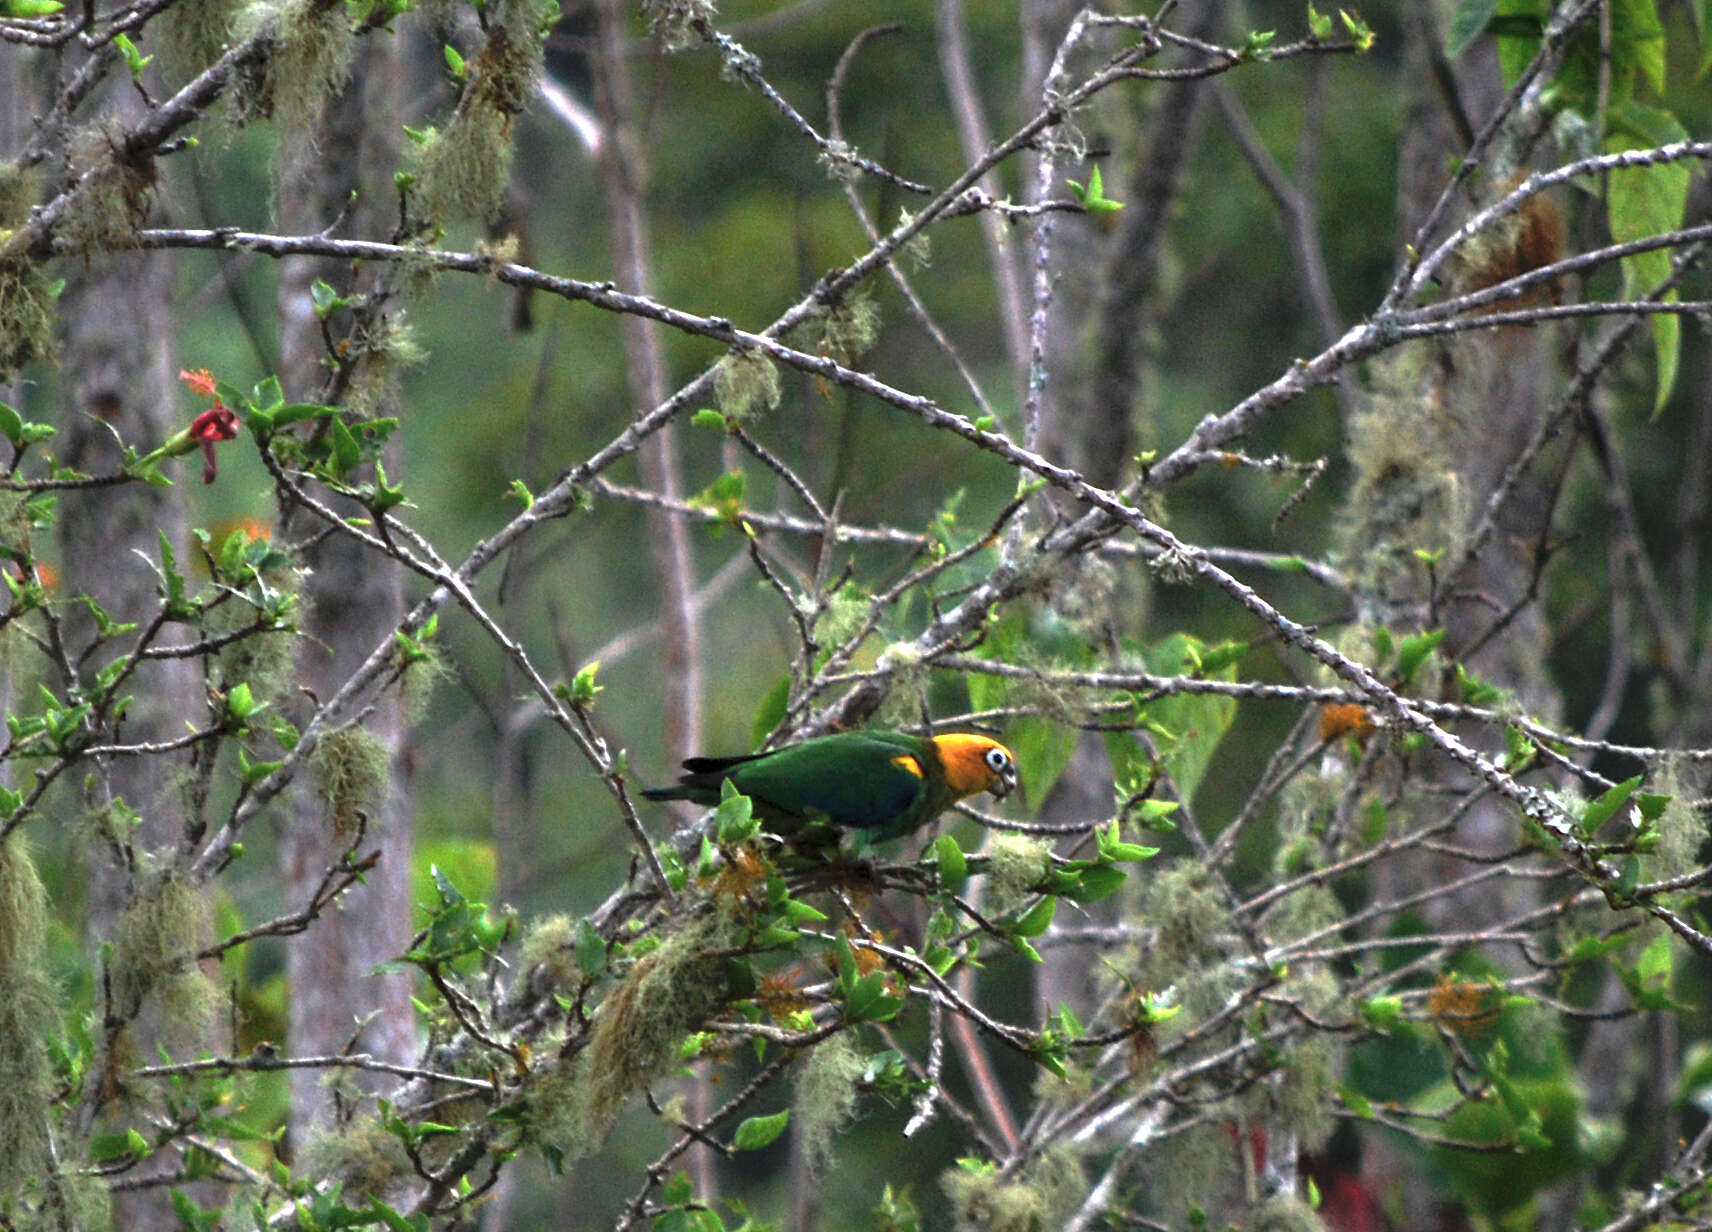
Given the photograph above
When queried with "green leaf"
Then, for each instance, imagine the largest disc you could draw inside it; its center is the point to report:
(707, 417)
(953, 865)
(1646, 201)
(1186, 727)
(1414, 651)
(1599, 811)
(1095, 883)
(1356, 1102)
(734, 821)
(346, 452)
(1474, 690)
(1467, 23)
(724, 496)
(252, 772)
(1382, 1013)
(327, 301)
(583, 687)
(590, 948)
(1651, 804)
(1037, 919)
(1043, 751)
(1114, 850)
(297, 412)
(770, 712)
(135, 60)
(757, 1132)
(868, 1000)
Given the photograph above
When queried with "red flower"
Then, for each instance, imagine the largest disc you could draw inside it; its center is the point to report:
(201, 381)
(217, 423)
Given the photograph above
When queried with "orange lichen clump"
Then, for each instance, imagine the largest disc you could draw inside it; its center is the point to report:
(1462, 1007)
(1341, 719)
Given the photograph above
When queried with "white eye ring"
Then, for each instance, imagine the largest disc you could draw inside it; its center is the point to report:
(996, 759)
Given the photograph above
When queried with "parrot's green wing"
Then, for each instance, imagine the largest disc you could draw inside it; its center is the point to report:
(854, 779)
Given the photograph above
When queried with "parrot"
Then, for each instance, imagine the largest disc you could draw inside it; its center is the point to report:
(882, 784)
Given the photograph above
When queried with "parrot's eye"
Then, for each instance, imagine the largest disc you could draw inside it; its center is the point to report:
(996, 760)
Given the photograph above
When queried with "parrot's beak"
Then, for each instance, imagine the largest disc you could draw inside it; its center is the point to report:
(1004, 784)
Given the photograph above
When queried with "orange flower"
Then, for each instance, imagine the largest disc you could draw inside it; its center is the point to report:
(200, 381)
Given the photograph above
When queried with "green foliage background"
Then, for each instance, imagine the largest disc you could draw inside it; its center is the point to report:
(744, 221)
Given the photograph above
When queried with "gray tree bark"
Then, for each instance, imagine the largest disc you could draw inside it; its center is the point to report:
(352, 599)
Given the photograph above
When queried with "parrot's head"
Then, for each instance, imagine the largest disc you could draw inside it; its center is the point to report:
(976, 763)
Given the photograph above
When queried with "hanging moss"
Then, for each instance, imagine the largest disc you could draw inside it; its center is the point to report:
(744, 384)
(155, 944)
(1407, 493)
(113, 192)
(549, 949)
(417, 683)
(311, 61)
(1191, 1169)
(55, 1201)
(558, 1108)
(1039, 1199)
(673, 22)
(19, 190)
(26, 316)
(1016, 863)
(1286, 1213)
(1190, 919)
(362, 1156)
(1680, 835)
(381, 350)
(350, 768)
(197, 36)
(29, 1018)
(666, 995)
(850, 329)
(1298, 1099)
(465, 166)
(827, 1090)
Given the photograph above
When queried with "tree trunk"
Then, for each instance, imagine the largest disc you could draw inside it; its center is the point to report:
(352, 599)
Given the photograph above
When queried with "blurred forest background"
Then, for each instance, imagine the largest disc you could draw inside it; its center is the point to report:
(1359, 575)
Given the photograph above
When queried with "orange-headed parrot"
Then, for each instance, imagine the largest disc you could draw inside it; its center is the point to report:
(881, 783)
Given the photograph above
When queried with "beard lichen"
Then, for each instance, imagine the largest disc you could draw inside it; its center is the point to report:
(113, 194)
(197, 36)
(1407, 495)
(363, 1156)
(638, 1032)
(311, 61)
(827, 1089)
(380, 349)
(464, 167)
(674, 22)
(547, 958)
(29, 1018)
(350, 767)
(1298, 1098)
(1016, 864)
(1041, 1198)
(745, 383)
(155, 944)
(26, 316)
